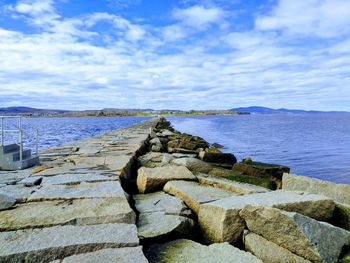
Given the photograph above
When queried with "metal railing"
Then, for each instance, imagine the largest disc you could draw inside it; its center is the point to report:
(18, 129)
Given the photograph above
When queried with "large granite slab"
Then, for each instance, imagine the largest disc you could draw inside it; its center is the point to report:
(47, 244)
(236, 187)
(108, 255)
(220, 220)
(270, 252)
(160, 202)
(78, 178)
(187, 251)
(195, 194)
(77, 212)
(316, 241)
(84, 190)
(153, 179)
(338, 192)
(159, 226)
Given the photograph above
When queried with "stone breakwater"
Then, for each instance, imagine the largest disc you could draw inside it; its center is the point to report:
(149, 193)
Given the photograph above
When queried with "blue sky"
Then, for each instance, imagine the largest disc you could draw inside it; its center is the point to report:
(185, 54)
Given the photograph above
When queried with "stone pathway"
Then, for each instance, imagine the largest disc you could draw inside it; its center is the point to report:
(75, 209)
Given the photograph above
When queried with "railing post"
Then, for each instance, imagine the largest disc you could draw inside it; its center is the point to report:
(20, 146)
(2, 131)
(37, 142)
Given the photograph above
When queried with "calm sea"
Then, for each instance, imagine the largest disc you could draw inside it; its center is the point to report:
(315, 145)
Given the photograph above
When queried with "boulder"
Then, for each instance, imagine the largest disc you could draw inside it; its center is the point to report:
(193, 164)
(188, 142)
(120, 255)
(160, 226)
(338, 192)
(111, 189)
(156, 148)
(261, 169)
(153, 179)
(220, 220)
(304, 236)
(247, 160)
(155, 141)
(78, 212)
(6, 201)
(236, 187)
(221, 158)
(213, 150)
(217, 145)
(194, 194)
(46, 244)
(151, 159)
(160, 202)
(268, 251)
(188, 251)
(167, 133)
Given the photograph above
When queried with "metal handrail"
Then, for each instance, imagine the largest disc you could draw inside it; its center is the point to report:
(20, 131)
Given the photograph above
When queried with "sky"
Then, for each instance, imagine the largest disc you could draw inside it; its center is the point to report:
(167, 54)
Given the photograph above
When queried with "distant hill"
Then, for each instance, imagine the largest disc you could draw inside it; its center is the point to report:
(28, 110)
(265, 110)
(33, 112)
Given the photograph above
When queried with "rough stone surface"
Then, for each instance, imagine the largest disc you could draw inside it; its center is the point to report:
(6, 201)
(304, 236)
(11, 177)
(187, 251)
(194, 194)
(78, 178)
(222, 158)
(159, 226)
(220, 172)
(338, 192)
(182, 155)
(31, 181)
(155, 141)
(182, 151)
(153, 179)
(261, 169)
(20, 192)
(220, 220)
(151, 159)
(108, 255)
(268, 251)
(42, 245)
(236, 187)
(160, 202)
(80, 191)
(193, 164)
(78, 212)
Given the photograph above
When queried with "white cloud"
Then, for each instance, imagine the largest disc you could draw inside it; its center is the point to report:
(198, 16)
(322, 18)
(40, 12)
(74, 64)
